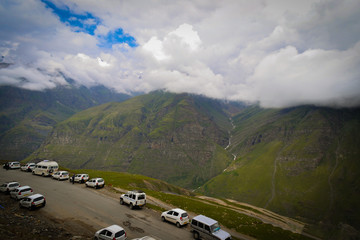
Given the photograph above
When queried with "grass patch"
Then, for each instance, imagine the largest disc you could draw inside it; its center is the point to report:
(225, 215)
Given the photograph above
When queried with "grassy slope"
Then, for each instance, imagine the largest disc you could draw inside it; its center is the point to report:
(315, 154)
(184, 199)
(167, 136)
(26, 117)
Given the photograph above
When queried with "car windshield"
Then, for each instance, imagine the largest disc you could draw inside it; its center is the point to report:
(119, 234)
(215, 227)
(4, 185)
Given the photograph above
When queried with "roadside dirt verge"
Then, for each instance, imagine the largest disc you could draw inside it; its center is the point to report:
(16, 223)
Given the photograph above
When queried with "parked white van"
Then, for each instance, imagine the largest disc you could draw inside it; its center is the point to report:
(45, 168)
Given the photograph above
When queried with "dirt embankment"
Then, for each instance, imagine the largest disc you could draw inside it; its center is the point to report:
(20, 223)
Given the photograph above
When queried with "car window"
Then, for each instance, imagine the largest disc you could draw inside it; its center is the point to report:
(44, 167)
(141, 197)
(200, 224)
(119, 234)
(38, 198)
(215, 227)
(103, 232)
(108, 233)
(194, 222)
(170, 212)
(207, 228)
(176, 214)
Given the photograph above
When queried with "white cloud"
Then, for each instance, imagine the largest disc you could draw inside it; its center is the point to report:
(287, 78)
(278, 53)
(155, 46)
(187, 36)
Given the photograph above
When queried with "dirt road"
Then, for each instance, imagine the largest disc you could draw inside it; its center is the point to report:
(87, 208)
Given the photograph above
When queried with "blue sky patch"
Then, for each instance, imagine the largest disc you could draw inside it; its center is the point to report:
(117, 36)
(88, 23)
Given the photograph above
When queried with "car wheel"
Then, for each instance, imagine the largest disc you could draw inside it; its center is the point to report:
(163, 219)
(121, 201)
(95, 238)
(178, 224)
(44, 203)
(196, 235)
(42, 174)
(131, 206)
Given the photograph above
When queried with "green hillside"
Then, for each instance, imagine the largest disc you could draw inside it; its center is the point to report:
(26, 117)
(301, 162)
(177, 138)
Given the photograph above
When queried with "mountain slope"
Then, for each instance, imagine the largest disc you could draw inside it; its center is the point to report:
(301, 162)
(177, 138)
(26, 117)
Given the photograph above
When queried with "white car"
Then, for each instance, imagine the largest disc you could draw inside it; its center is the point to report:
(33, 201)
(61, 175)
(207, 228)
(28, 167)
(80, 178)
(95, 183)
(9, 186)
(145, 238)
(21, 192)
(133, 198)
(176, 216)
(12, 165)
(113, 232)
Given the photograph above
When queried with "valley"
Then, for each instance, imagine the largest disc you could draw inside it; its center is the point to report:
(298, 162)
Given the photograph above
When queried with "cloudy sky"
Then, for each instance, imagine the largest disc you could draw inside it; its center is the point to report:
(279, 53)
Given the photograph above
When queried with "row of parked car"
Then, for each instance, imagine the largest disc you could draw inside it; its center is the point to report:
(25, 194)
(202, 227)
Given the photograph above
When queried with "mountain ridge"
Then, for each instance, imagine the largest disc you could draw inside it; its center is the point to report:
(26, 117)
(168, 129)
(302, 155)
(300, 162)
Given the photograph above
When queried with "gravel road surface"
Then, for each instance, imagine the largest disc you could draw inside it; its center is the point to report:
(92, 209)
